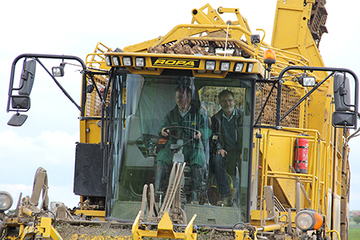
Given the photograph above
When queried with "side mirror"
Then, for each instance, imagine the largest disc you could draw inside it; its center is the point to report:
(344, 119)
(20, 102)
(342, 92)
(17, 120)
(27, 77)
(345, 114)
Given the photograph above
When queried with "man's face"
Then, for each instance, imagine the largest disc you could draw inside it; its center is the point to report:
(227, 103)
(183, 100)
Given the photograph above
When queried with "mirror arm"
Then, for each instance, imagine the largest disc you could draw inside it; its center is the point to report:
(356, 133)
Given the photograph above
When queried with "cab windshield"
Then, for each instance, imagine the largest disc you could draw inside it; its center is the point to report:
(202, 122)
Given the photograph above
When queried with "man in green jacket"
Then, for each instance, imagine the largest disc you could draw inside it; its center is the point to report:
(184, 117)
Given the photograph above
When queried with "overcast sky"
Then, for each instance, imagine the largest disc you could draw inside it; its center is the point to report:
(73, 28)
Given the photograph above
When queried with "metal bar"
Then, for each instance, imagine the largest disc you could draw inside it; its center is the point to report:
(302, 187)
(302, 175)
(270, 205)
(297, 201)
(278, 103)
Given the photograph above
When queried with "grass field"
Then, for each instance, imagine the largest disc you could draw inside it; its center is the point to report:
(354, 233)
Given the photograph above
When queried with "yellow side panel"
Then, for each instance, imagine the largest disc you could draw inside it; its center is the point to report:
(280, 160)
(291, 31)
(90, 131)
(286, 28)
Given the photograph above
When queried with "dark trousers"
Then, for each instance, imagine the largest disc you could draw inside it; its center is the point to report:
(222, 166)
(223, 181)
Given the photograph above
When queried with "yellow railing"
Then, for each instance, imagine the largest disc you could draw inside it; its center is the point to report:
(277, 165)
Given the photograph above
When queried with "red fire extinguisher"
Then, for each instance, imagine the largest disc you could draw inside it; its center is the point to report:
(301, 155)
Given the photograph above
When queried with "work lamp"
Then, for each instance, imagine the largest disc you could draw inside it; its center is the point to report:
(308, 220)
(116, 60)
(250, 67)
(210, 65)
(58, 71)
(224, 66)
(238, 67)
(140, 62)
(5, 201)
(108, 60)
(127, 61)
(307, 81)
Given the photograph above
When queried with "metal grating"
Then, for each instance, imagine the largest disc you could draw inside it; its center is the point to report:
(288, 99)
(93, 101)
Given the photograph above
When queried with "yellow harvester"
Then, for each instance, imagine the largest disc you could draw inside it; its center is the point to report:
(292, 180)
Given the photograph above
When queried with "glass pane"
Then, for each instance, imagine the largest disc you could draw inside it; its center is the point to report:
(118, 131)
(182, 119)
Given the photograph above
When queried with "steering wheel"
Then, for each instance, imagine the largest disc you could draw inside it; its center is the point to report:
(178, 127)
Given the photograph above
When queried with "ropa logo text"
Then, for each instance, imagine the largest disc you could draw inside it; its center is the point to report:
(175, 62)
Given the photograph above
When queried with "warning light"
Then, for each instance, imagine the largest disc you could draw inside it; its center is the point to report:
(269, 57)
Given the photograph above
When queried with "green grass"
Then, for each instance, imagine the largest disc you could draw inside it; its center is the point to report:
(354, 233)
